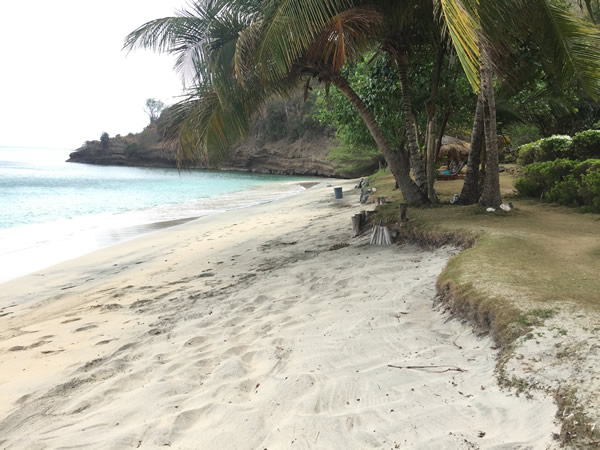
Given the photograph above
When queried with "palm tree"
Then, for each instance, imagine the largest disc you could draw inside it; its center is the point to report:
(245, 60)
(572, 44)
(216, 110)
(245, 50)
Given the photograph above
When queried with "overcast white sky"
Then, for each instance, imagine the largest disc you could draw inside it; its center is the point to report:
(63, 76)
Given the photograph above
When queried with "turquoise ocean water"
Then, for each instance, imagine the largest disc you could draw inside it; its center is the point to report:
(51, 211)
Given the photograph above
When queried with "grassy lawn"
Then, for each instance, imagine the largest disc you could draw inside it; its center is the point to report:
(526, 263)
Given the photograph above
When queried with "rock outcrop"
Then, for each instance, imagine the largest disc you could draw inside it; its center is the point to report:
(285, 139)
(124, 151)
(300, 157)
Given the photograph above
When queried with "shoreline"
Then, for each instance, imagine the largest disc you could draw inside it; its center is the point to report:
(246, 327)
(67, 239)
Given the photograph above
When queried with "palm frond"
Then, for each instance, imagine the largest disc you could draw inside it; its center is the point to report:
(344, 37)
(464, 29)
(290, 28)
(573, 42)
(244, 61)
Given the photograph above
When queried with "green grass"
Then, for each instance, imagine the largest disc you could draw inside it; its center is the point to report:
(524, 264)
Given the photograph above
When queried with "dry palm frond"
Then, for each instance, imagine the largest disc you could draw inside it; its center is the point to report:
(343, 38)
(290, 28)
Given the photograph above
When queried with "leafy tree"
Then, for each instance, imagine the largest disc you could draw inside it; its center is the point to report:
(104, 140)
(376, 80)
(153, 108)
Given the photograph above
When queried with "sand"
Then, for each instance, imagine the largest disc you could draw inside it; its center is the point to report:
(244, 330)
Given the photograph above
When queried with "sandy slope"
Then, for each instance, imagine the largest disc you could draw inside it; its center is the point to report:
(243, 330)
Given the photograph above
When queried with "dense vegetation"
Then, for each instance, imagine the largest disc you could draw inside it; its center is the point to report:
(563, 170)
(395, 76)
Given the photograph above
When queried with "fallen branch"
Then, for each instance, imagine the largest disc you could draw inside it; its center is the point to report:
(449, 368)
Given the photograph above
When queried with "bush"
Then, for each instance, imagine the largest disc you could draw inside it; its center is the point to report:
(555, 147)
(586, 166)
(546, 149)
(104, 140)
(590, 190)
(586, 145)
(528, 152)
(566, 192)
(539, 178)
(563, 181)
(131, 149)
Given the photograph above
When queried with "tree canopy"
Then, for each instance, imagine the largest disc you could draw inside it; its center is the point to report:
(240, 53)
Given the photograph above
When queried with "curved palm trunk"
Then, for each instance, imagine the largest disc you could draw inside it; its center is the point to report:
(410, 124)
(470, 190)
(397, 161)
(491, 187)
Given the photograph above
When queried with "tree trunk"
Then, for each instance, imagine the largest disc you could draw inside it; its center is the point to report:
(431, 118)
(397, 161)
(440, 134)
(410, 123)
(470, 190)
(490, 196)
(431, 158)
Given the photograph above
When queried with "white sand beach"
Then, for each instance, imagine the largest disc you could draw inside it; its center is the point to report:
(245, 330)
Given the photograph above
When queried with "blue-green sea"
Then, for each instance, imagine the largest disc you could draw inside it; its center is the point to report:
(51, 211)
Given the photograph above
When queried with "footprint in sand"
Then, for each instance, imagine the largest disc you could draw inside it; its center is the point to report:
(86, 327)
(20, 348)
(17, 348)
(71, 320)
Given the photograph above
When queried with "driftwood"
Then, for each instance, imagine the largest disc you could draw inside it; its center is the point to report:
(449, 368)
(357, 224)
(359, 221)
(380, 235)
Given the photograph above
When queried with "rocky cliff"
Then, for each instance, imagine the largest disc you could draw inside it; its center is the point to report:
(124, 151)
(285, 139)
(299, 157)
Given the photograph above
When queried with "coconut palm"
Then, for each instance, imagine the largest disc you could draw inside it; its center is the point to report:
(476, 36)
(234, 60)
(570, 46)
(215, 112)
(245, 50)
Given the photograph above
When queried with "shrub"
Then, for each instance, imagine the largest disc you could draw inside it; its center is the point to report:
(579, 188)
(527, 153)
(555, 147)
(566, 192)
(131, 149)
(527, 187)
(586, 166)
(586, 145)
(590, 190)
(539, 178)
(104, 140)
(546, 149)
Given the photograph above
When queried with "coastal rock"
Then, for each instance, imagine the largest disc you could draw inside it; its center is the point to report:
(307, 157)
(124, 151)
(284, 139)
